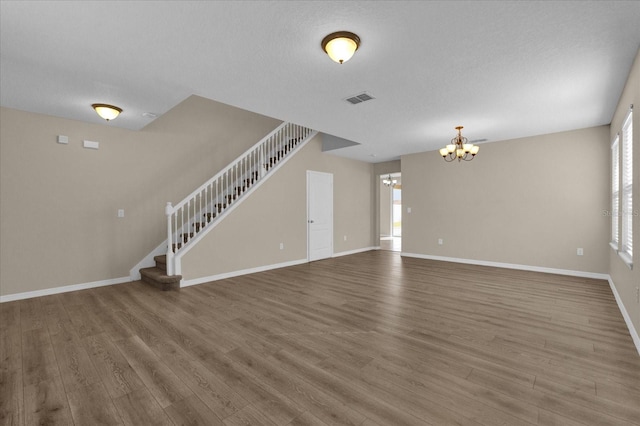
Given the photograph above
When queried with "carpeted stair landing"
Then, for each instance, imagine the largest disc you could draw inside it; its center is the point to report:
(157, 275)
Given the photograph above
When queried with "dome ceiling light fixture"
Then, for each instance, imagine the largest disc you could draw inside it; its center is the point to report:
(459, 148)
(341, 45)
(106, 111)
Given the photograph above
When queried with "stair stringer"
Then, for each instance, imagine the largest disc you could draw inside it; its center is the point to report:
(147, 261)
(177, 258)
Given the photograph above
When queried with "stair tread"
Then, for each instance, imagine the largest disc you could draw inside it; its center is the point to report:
(157, 274)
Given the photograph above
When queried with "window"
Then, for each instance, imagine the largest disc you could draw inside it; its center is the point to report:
(626, 204)
(615, 193)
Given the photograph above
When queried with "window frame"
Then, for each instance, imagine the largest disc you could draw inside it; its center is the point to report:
(625, 250)
(615, 193)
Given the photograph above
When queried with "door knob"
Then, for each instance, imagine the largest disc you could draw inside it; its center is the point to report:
(310, 221)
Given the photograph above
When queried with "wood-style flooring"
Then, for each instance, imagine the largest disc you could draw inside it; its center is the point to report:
(367, 339)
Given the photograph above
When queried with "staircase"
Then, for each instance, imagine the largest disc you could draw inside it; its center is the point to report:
(192, 218)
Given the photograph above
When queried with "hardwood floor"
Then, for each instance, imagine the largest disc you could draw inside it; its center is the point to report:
(391, 243)
(368, 339)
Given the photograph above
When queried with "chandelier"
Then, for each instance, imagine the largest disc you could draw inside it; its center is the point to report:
(389, 181)
(459, 148)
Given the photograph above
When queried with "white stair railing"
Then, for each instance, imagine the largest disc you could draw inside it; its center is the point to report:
(202, 207)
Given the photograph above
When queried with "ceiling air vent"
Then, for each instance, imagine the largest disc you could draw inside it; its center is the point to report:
(357, 99)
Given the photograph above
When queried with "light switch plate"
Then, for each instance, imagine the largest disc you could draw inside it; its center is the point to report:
(91, 144)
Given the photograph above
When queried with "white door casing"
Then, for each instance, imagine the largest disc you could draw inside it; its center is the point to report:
(319, 215)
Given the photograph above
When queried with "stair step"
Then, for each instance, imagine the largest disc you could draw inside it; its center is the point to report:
(161, 262)
(158, 278)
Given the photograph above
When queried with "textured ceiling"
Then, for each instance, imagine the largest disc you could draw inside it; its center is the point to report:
(503, 70)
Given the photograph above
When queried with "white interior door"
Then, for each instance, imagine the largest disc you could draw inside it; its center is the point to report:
(319, 215)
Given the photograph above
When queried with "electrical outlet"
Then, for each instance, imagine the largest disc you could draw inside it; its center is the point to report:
(408, 209)
(345, 238)
(281, 246)
(440, 241)
(120, 212)
(580, 252)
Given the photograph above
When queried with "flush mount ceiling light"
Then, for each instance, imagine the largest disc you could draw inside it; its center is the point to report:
(459, 148)
(106, 111)
(341, 46)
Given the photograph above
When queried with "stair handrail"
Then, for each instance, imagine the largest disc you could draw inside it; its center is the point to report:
(224, 170)
(171, 210)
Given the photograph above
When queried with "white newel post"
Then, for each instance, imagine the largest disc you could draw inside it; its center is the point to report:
(168, 210)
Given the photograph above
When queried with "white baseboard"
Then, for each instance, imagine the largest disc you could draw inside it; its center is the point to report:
(348, 252)
(196, 281)
(625, 315)
(569, 272)
(64, 289)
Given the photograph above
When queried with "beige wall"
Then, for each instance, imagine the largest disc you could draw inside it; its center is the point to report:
(531, 201)
(277, 213)
(58, 211)
(626, 280)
